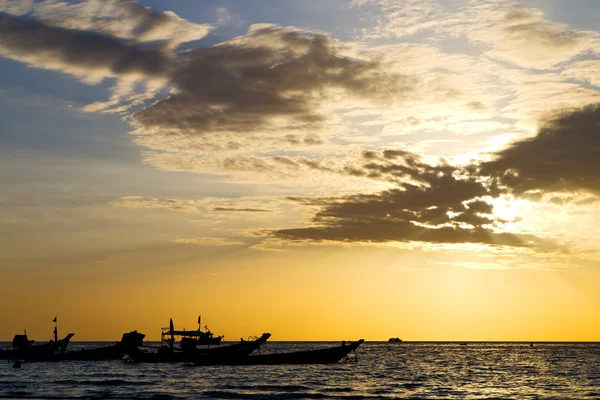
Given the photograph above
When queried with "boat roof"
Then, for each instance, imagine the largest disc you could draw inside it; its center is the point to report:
(197, 333)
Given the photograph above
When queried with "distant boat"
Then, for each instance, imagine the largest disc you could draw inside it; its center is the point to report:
(330, 355)
(395, 340)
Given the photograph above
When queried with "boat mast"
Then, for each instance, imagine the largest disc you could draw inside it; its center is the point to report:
(55, 329)
(199, 319)
(172, 332)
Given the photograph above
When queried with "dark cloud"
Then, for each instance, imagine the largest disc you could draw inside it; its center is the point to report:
(120, 18)
(402, 215)
(69, 50)
(401, 231)
(449, 204)
(440, 204)
(271, 81)
(563, 156)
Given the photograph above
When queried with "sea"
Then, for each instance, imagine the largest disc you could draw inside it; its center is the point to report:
(407, 370)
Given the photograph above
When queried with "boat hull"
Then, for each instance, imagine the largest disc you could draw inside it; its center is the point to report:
(116, 351)
(329, 355)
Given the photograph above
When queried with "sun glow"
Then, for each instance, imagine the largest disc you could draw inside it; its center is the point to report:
(510, 209)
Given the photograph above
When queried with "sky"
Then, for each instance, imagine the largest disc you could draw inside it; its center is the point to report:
(319, 170)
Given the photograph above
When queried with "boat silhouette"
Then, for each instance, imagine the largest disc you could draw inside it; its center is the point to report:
(28, 350)
(129, 341)
(330, 355)
(189, 353)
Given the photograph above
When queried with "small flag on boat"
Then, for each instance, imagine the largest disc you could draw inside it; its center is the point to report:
(54, 320)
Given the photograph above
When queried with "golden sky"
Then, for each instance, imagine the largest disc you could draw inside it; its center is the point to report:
(317, 170)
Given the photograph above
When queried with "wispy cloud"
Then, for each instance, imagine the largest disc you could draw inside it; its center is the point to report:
(208, 241)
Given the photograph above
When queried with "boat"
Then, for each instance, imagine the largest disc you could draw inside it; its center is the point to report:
(330, 355)
(395, 340)
(201, 337)
(189, 352)
(28, 350)
(129, 341)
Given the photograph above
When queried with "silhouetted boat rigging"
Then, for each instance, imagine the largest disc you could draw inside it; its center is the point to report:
(201, 337)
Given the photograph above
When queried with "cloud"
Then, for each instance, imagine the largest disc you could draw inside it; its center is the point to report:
(91, 56)
(388, 217)
(16, 7)
(439, 204)
(452, 204)
(283, 102)
(472, 204)
(403, 18)
(263, 91)
(563, 156)
(125, 19)
(500, 29)
(229, 209)
(208, 207)
(208, 241)
(588, 70)
(524, 37)
(224, 16)
(93, 40)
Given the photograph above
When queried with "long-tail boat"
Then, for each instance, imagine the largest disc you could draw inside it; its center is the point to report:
(28, 350)
(190, 353)
(25, 349)
(330, 355)
(129, 341)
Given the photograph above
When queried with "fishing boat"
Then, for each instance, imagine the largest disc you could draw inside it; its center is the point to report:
(129, 341)
(330, 355)
(201, 337)
(189, 352)
(28, 350)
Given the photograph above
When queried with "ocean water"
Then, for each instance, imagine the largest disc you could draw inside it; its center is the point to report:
(383, 371)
